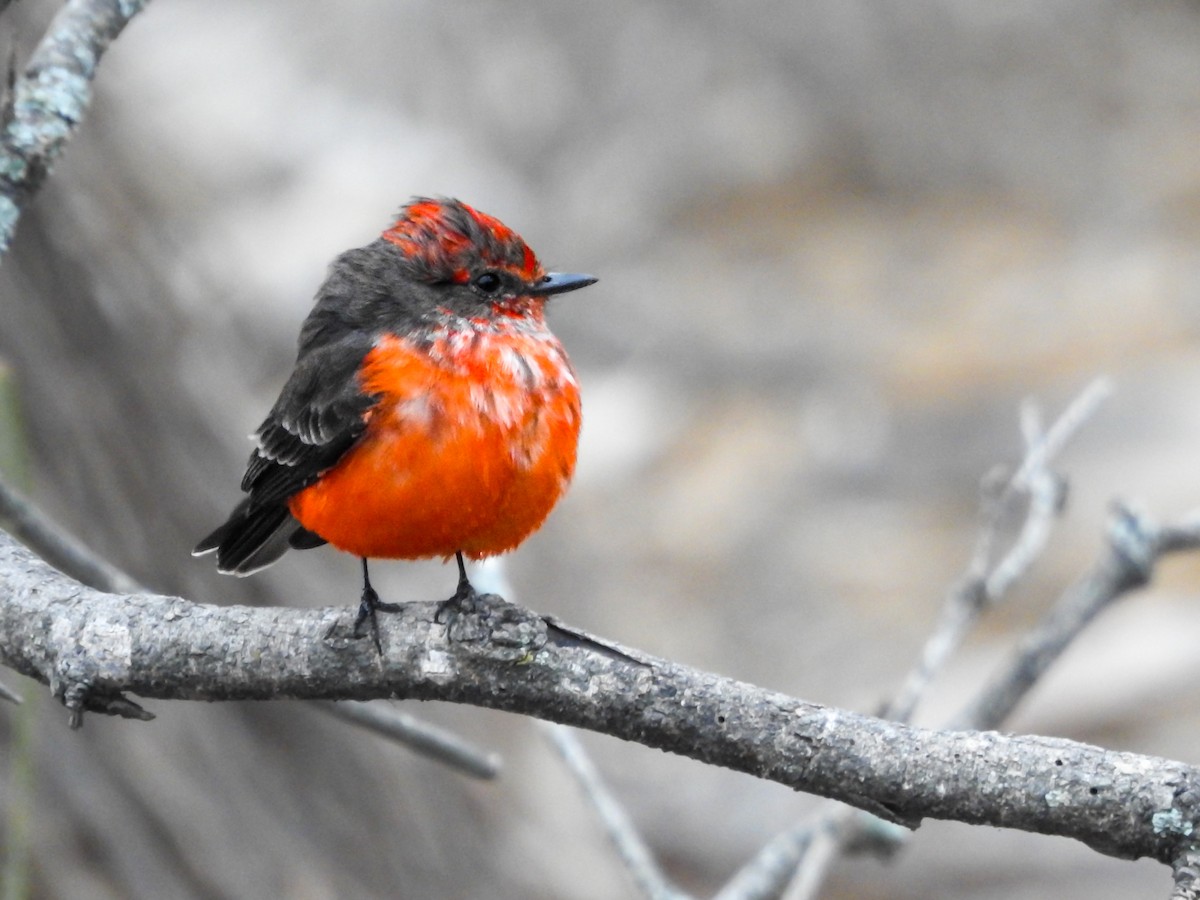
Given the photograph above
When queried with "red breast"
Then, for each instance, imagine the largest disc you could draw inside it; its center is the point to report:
(470, 445)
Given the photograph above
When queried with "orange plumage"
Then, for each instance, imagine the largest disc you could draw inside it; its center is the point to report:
(431, 411)
(469, 446)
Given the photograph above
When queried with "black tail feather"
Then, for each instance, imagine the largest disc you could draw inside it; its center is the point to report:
(253, 538)
(303, 539)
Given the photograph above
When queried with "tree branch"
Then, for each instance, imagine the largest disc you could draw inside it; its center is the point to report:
(1187, 876)
(988, 577)
(633, 851)
(57, 546)
(987, 580)
(48, 101)
(1134, 545)
(91, 648)
(436, 743)
(23, 520)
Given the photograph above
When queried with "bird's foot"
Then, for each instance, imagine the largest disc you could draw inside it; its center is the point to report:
(461, 604)
(368, 607)
(501, 629)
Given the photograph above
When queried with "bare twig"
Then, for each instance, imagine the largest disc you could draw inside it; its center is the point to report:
(637, 857)
(1134, 546)
(819, 857)
(50, 98)
(1078, 413)
(985, 582)
(421, 737)
(774, 866)
(32, 527)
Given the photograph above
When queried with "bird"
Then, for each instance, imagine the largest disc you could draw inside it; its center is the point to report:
(431, 412)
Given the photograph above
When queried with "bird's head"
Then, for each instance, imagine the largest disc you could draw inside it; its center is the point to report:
(483, 263)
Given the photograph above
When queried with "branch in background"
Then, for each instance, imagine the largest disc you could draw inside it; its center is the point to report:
(1134, 547)
(92, 648)
(60, 548)
(773, 868)
(48, 101)
(631, 848)
(987, 579)
(421, 737)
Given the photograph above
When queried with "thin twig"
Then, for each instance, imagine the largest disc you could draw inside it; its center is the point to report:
(491, 576)
(984, 583)
(1135, 545)
(1078, 413)
(49, 100)
(420, 737)
(774, 866)
(823, 851)
(633, 851)
(28, 524)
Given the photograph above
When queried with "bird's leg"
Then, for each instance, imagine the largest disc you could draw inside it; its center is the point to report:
(464, 594)
(368, 606)
(465, 590)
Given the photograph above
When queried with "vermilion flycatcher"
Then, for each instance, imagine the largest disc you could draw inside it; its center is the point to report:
(431, 411)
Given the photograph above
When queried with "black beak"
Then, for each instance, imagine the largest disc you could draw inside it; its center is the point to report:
(560, 283)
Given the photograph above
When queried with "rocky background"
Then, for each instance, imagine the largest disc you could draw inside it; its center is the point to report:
(838, 244)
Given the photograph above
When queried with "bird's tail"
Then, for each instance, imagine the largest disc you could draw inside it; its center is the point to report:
(253, 537)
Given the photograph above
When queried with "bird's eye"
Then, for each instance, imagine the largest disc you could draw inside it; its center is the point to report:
(487, 283)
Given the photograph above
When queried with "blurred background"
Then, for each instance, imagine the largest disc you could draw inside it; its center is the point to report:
(838, 245)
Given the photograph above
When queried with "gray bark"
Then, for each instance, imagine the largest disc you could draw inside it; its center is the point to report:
(92, 648)
(49, 101)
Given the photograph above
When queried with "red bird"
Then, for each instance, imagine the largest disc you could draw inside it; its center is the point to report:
(431, 412)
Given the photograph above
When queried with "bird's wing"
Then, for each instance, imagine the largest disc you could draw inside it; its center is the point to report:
(318, 417)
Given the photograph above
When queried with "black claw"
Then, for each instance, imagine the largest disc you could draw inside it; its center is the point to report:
(368, 607)
(462, 601)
